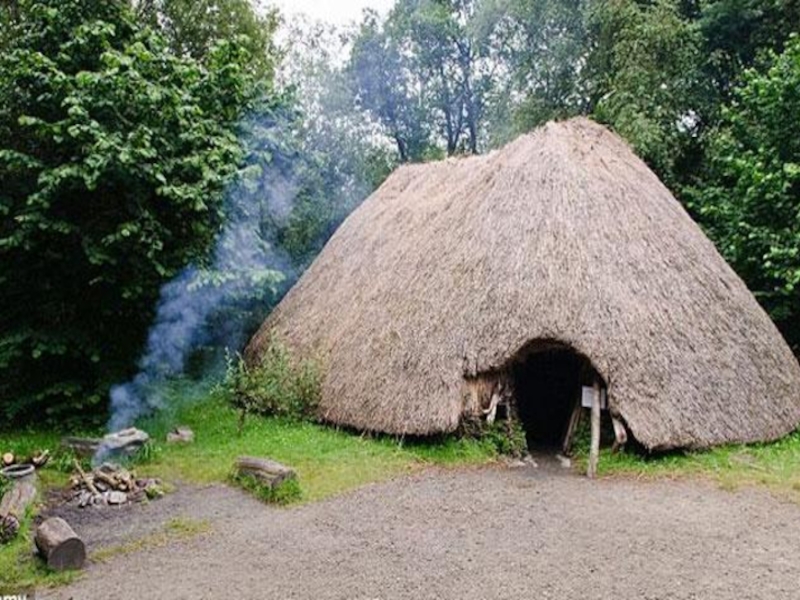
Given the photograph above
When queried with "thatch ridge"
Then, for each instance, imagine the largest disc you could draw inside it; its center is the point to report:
(450, 268)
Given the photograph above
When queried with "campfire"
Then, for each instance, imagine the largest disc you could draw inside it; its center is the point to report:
(110, 484)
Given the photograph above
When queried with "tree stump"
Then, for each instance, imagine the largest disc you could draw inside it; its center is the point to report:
(59, 545)
(266, 471)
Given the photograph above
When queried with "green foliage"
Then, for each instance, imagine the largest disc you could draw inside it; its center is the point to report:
(750, 198)
(278, 385)
(542, 44)
(384, 88)
(643, 76)
(503, 436)
(286, 492)
(114, 154)
(195, 27)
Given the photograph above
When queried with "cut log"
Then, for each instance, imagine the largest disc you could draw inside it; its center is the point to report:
(40, 459)
(12, 508)
(82, 447)
(8, 459)
(264, 470)
(88, 481)
(594, 450)
(59, 545)
(16, 500)
(126, 442)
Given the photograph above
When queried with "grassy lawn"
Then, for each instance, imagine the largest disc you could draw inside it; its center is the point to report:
(775, 466)
(330, 462)
(327, 461)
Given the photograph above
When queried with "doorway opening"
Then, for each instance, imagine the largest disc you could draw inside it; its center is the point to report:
(547, 379)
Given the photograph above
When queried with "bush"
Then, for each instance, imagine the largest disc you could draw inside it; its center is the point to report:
(504, 436)
(114, 156)
(277, 385)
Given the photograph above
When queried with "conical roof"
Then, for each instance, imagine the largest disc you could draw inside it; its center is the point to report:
(451, 268)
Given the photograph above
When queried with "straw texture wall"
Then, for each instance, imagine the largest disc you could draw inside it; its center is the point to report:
(451, 268)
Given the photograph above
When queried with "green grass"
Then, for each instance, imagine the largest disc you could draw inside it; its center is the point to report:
(330, 461)
(327, 461)
(775, 465)
(21, 570)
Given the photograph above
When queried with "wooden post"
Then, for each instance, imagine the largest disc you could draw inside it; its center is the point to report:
(594, 450)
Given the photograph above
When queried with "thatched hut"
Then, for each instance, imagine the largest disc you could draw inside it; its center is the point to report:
(529, 271)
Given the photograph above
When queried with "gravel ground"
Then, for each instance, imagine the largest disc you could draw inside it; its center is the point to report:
(485, 533)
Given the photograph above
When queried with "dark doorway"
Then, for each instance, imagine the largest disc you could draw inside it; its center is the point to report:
(547, 385)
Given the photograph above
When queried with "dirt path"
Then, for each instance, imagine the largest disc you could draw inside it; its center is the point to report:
(489, 533)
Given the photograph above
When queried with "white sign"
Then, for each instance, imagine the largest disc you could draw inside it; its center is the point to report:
(587, 395)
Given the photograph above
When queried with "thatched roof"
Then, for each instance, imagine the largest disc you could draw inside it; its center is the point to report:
(451, 268)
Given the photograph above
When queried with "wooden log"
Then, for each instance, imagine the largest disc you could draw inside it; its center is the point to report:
(264, 470)
(59, 545)
(12, 508)
(16, 500)
(40, 459)
(8, 459)
(594, 450)
(88, 481)
(620, 435)
(82, 447)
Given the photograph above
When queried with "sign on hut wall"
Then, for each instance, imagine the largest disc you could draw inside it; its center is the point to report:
(587, 395)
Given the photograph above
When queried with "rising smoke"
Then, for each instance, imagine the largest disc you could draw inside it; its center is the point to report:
(247, 268)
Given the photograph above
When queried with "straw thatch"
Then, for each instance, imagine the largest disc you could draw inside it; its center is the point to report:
(451, 269)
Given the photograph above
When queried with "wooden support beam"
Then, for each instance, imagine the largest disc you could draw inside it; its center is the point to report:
(594, 450)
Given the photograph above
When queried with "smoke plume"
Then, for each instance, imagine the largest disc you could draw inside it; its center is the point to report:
(246, 266)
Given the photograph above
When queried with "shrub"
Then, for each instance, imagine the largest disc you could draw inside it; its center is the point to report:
(504, 436)
(277, 385)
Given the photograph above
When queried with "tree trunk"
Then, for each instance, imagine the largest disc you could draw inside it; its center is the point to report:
(266, 471)
(59, 545)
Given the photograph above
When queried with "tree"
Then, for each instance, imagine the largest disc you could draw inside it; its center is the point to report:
(384, 87)
(114, 154)
(195, 27)
(342, 154)
(643, 77)
(539, 50)
(736, 32)
(749, 198)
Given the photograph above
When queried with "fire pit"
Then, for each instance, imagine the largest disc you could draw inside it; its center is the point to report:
(110, 484)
